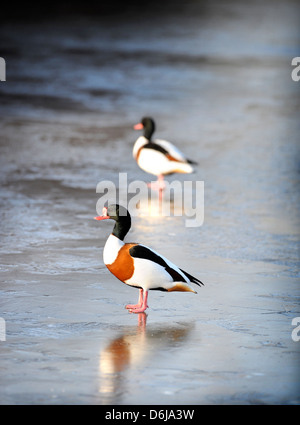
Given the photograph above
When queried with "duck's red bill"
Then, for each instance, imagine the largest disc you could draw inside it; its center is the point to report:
(102, 217)
(138, 126)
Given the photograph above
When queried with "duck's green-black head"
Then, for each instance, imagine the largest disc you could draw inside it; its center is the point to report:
(147, 124)
(121, 216)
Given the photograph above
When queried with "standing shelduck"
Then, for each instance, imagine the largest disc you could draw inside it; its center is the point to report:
(158, 157)
(139, 266)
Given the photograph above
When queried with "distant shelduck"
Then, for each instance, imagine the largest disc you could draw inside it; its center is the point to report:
(139, 266)
(158, 157)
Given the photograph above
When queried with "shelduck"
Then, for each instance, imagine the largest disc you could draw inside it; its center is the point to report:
(139, 266)
(158, 157)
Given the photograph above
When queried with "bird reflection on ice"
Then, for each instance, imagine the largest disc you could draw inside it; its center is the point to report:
(128, 353)
(178, 199)
(152, 204)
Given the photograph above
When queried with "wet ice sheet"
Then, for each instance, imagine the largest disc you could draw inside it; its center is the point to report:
(190, 351)
(224, 93)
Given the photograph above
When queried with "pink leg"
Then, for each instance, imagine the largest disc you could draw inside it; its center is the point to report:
(159, 184)
(139, 304)
(143, 307)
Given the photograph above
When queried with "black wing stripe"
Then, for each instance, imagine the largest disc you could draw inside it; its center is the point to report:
(155, 147)
(192, 278)
(177, 277)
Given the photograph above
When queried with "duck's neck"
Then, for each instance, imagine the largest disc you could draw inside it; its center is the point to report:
(148, 131)
(122, 227)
